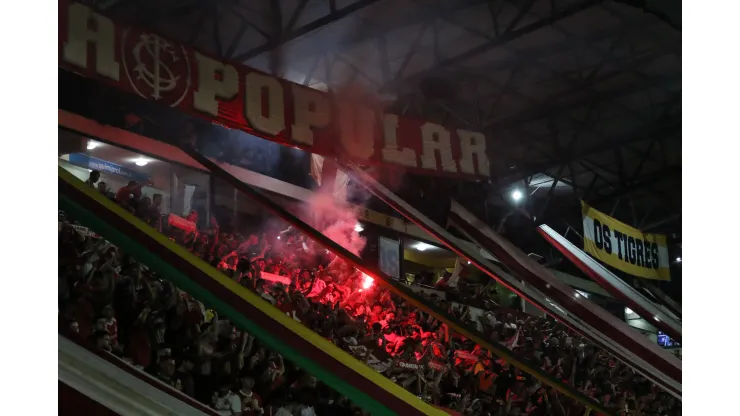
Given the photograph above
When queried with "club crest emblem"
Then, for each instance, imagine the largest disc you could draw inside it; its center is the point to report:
(157, 68)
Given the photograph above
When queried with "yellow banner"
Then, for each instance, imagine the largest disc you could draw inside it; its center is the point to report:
(623, 247)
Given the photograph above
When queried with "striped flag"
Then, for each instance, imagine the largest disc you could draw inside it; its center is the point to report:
(452, 281)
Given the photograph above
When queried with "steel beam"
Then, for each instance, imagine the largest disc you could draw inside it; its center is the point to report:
(613, 143)
(664, 221)
(672, 172)
(321, 45)
(647, 8)
(533, 59)
(303, 30)
(554, 103)
(505, 37)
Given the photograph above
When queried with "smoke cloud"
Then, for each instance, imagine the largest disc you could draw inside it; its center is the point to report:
(334, 206)
(330, 206)
(336, 220)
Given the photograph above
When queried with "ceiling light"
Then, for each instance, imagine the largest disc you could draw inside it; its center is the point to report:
(422, 246)
(141, 162)
(628, 311)
(92, 144)
(359, 228)
(678, 259)
(468, 262)
(516, 195)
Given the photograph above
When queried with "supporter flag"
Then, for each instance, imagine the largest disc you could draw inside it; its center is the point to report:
(274, 278)
(189, 192)
(341, 180)
(513, 341)
(624, 247)
(317, 167)
(459, 269)
(327, 175)
(464, 355)
(181, 223)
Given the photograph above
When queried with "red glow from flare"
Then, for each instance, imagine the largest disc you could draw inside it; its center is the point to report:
(367, 281)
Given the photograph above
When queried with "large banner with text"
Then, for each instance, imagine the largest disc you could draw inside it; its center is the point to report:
(345, 125)
(623, 247)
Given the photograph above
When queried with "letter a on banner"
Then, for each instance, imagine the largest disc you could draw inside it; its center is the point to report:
(623, 247)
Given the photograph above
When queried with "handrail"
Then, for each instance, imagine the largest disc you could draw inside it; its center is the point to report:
(140, 375)
(596, 324)
(534, 295)
(362, 385)
(398, 288)
(613, 284)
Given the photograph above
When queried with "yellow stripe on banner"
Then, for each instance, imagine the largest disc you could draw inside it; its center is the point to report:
(257, 302)
(607, 230)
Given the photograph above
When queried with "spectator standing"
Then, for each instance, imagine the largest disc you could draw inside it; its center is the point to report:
(128, 196)
(103, 188)
(93, 179)
(226, 402)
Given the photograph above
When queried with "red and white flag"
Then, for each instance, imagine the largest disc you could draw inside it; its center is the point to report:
(317, 168)
(459, 269)
(326, 174)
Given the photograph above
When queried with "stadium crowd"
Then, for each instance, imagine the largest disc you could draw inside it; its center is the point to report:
(108, 298)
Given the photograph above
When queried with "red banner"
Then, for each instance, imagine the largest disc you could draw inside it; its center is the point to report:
(345, 127)
(275, 278)
(464, 355)
(181, 223)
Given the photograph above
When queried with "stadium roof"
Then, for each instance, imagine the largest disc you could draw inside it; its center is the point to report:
(579, 99)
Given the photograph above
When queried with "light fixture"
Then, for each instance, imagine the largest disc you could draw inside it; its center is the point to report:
(141, 162)
(422, 246)
(468, 262)
(359, 228)
(678, 259)
(92, 144)
(628, 311)
(516, 195)
(656, 319)
(278, 237)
